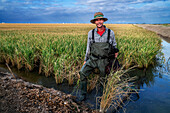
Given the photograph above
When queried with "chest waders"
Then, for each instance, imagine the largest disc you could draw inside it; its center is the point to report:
(99, 58)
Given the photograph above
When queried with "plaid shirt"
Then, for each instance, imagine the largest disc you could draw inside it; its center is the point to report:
(98, 38)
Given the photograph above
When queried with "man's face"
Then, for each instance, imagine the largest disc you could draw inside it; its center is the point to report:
(99, 22)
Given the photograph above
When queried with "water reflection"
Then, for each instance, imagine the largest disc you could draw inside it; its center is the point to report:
(161, 68)
(163, 61)
(142, 77)
(34, 77)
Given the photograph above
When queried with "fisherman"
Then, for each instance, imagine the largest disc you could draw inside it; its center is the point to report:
(101, 46)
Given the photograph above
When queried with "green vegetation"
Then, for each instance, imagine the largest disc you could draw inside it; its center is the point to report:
(59, 49)
(167, 25)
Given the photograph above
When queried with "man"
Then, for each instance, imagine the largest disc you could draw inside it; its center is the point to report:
(101, 43)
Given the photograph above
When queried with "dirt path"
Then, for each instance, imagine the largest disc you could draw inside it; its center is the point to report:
(17, 95)
(159, 29)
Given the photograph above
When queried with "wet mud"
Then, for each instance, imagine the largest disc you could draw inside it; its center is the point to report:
(17, 95)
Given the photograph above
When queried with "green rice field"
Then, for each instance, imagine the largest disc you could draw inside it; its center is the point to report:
(59, 49)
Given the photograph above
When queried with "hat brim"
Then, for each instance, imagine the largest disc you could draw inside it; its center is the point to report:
(93, 20)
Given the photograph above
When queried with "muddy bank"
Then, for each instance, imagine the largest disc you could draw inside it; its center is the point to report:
(159, 29)
(17, 95)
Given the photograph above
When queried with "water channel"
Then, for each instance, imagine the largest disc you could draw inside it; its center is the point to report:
(154, 85)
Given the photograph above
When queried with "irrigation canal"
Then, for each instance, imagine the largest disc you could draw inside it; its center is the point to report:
(154, 85)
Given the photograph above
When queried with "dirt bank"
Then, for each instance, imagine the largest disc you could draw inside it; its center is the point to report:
(17, 95)
(159, 29)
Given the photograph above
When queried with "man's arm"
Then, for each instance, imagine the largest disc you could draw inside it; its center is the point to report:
(88, 47)
(113, 42)
(112, 39)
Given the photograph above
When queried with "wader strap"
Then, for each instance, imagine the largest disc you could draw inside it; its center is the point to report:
(93, 36)
(108, 37)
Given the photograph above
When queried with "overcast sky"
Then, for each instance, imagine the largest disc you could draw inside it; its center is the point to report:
(82, 11)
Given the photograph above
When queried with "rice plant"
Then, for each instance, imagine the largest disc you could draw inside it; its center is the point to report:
(59, 49)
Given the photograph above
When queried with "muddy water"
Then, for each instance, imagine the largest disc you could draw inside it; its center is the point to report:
(154, 85)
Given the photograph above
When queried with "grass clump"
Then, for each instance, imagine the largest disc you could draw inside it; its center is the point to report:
(117, 89)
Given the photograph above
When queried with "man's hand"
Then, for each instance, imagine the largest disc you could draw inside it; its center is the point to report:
(116, 54)
(84, 62)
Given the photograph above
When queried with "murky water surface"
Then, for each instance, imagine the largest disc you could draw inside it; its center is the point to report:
(154, 85)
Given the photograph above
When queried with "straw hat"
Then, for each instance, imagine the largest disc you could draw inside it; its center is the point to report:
(98, 15)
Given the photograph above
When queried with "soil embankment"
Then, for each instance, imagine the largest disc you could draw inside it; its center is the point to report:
(161, 30)
(17, 96)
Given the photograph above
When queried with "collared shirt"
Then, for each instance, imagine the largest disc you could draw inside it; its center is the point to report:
(98, 38)
(101, 32)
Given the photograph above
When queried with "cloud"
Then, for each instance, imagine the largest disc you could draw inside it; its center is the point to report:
(126, 11)
(139, 11)
(3, 1)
